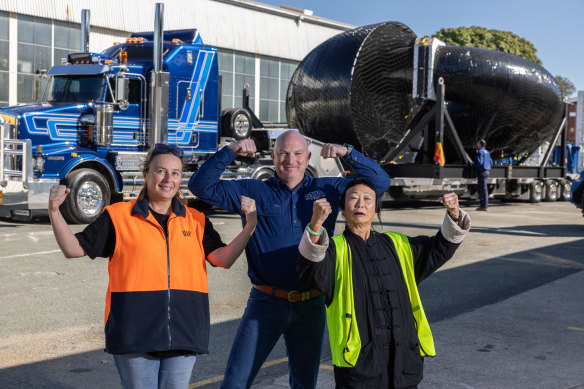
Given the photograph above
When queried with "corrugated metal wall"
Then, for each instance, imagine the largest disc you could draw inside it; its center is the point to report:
(232, 24)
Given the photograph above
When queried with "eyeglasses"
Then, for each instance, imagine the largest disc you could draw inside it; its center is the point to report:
(163, 148)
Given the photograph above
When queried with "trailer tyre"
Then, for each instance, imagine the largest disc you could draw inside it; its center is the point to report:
(566, 190)
(263, 174)
(90, 194)
(236, 123)
(535, 192)
(551, 190)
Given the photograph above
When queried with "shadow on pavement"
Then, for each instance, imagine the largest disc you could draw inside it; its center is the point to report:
(446, 294)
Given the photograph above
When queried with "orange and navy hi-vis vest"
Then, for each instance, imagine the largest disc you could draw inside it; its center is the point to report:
(157, 297)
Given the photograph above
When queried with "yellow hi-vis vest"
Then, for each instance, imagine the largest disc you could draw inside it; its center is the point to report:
(341, 318)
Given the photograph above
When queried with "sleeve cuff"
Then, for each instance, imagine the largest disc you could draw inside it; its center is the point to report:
(311, 251)
(453, 232)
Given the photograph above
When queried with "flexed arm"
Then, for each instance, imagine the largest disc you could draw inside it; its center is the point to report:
(67, 241)
(207, 184)
(363, 166)
(226, 256)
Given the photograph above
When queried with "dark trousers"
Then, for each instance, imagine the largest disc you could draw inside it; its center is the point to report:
(482, 188)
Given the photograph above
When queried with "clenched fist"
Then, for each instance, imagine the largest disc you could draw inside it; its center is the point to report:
(321, 209)
(332, 150)
(57, 196)
(244, 148)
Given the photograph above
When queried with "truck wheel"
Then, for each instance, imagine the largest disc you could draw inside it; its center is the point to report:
(566, 190)
(263, 174)
(90, 194)
(551, 190)
(535, 192)
(237, 123)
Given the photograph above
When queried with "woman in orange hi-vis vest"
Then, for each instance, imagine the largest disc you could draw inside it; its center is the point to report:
(157, 306)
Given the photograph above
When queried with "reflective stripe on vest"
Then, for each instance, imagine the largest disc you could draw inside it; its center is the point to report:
(342, 322)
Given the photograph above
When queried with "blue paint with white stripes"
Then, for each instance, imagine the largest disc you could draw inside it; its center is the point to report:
(59, 126)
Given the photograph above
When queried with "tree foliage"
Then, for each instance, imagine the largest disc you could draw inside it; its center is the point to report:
(566, 86)
(475, 36)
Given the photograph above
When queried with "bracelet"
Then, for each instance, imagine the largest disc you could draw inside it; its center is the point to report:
(312, 232)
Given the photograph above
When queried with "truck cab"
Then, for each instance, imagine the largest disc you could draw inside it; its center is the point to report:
(92, 126)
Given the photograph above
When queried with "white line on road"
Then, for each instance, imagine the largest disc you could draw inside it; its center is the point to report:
(31, 254)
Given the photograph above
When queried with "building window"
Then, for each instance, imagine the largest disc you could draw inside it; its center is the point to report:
(67, 40)
(4, 42)
(37, 51)
(236, 69)
(275, 75)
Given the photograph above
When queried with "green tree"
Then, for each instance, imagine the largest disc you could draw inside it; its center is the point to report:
(566, 86)
(475, 36)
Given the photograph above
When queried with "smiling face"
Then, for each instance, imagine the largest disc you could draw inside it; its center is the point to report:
(163, 177)
(291, 157)
(359, 208)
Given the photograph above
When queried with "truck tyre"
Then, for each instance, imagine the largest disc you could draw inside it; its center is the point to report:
(90, 194)
(236, 123)
(263, 174)
(566, 190)
(535, 192)
(551, 190)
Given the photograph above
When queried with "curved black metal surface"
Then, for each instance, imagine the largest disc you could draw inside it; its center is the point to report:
(357, 87)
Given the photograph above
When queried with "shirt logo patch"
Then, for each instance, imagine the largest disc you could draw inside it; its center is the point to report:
(317, 194)
(186, 233)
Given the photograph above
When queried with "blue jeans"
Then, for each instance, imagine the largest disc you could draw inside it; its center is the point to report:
(265, 319)
(142, 371)
(482, 188)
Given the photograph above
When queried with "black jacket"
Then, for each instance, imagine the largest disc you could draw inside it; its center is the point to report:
(390, 356)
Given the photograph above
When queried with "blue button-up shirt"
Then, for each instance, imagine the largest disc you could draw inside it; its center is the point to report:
(283, 213)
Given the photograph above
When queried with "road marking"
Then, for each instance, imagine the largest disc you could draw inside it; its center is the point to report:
(576, 328)
(198, 384)
(31, 254)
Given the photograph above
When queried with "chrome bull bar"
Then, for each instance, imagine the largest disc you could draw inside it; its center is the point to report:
(15, 158)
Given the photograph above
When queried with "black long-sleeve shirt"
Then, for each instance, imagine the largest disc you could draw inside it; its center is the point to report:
(390, 355)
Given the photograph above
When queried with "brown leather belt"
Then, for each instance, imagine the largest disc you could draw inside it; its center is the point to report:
(291, 296)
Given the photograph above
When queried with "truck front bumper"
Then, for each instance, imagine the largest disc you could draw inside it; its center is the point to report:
(18, 198)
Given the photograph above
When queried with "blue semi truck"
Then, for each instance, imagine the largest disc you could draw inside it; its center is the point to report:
(101, 112)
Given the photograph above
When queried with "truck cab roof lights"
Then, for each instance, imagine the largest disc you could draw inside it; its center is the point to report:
(138, 39)
(177, 41)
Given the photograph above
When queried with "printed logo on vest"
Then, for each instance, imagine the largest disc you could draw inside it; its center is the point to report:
(317, 194)
(186, 233)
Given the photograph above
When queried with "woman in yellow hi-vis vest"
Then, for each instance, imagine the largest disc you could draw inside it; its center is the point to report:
(378, 331)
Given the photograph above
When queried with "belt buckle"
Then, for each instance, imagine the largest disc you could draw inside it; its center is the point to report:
(290, 299)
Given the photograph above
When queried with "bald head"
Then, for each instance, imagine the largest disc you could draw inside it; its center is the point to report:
(290, 136)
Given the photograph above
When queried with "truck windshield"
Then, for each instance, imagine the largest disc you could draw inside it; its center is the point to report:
(74, 88)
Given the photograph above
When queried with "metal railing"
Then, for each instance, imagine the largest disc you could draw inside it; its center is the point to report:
(15, 157)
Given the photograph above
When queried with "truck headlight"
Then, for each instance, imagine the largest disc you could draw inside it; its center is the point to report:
(38, 164)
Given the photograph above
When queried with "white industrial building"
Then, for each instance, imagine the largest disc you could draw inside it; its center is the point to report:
(258, 44)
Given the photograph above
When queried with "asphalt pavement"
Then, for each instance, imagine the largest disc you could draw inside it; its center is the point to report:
(506, 312)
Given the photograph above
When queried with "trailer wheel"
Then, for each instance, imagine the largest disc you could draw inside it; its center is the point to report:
(535, 192)
(551, 190)
(566, 190)
(236, 123)
(90, 194)
(263, 174)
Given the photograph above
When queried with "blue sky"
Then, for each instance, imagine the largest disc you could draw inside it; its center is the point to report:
(554, 27)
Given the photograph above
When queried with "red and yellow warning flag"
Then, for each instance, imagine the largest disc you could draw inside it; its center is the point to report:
(439, 154)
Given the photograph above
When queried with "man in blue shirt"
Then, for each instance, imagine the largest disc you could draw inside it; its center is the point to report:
(279, 303)
(482, 165)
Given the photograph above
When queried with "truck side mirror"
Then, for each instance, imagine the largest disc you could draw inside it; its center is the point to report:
(122, 92)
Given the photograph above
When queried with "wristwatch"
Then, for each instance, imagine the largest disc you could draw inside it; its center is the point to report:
(349, 149)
